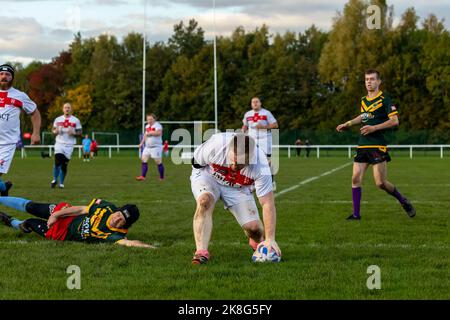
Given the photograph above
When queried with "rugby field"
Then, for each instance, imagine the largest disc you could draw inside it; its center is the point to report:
(324, 256)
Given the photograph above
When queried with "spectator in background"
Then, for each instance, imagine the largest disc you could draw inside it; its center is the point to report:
(308, 149)
(86, 148)
(94, 148)
(298, 142)
(166, 148)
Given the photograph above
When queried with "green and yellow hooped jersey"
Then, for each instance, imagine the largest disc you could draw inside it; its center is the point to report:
(94, 226)
(375, 111)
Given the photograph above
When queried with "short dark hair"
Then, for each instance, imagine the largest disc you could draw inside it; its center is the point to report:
(371, 71)
(243, 147)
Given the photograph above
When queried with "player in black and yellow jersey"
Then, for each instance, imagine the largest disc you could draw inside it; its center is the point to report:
(378, 114)
(100, 221)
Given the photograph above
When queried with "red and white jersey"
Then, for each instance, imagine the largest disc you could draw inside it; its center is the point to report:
(213, 155)
(263, 137)
(12, 101)
(66, 124)
(153, 141)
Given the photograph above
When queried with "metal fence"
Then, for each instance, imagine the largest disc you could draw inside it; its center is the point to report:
(316, 150)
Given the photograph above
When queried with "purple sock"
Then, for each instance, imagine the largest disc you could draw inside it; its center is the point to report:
(398, 196)
(161, 170)
(356, 195)
(144, 169)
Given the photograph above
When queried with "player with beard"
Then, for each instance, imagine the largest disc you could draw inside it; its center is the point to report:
(12, 102)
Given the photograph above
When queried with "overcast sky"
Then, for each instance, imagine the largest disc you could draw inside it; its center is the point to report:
(40, 29)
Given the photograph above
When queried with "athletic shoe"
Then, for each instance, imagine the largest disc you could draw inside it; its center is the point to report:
(140, 178)
(5, 219)
(8, 185)
(23, 228)
(353, 217)
(199, 259)
(53, 184)
(61, 186)
(408, 207)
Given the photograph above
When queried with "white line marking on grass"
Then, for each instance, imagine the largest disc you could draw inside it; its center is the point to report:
(311, 179)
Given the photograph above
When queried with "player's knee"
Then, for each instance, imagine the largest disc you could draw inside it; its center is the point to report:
(381, 184)
(356, 179)
(205, 201)
(253, 229)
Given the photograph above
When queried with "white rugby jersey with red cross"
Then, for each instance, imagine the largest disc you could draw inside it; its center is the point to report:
(262, 137)
(67, 123)
(153, 141)
(213, 155)
(12, 101)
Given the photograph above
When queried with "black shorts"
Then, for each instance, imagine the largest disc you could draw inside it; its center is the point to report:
(372, 155)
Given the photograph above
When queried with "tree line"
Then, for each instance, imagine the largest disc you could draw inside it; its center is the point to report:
(311, 80)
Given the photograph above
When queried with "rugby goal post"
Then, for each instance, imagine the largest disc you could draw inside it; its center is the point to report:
(101, 133)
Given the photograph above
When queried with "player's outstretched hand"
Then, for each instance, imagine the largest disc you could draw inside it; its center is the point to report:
(273, 244)
(341, 127)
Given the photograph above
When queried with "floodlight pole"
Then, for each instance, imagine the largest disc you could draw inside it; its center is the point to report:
(144, 62)
(216, 120)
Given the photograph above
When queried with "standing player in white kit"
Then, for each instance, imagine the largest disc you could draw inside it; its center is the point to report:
(259, 122)
(227, 166)
(152, 140)
(66, 128)
(12, 101)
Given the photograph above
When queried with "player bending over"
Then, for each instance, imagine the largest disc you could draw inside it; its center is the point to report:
(378, 113)
(100, 221)
(227, 166)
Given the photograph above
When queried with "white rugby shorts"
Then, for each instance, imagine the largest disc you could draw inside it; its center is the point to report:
(6, 156)
(154, 152)
(239, 201)
(65, 149)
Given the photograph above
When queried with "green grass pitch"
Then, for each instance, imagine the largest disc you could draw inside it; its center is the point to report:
(324, 256)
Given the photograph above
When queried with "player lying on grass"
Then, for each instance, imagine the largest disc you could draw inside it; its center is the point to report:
(228, 166)
(100, 221)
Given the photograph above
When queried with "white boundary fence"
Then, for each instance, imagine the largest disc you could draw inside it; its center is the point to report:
(317, 148)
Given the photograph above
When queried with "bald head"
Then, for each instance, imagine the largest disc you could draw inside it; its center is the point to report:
(67, 109)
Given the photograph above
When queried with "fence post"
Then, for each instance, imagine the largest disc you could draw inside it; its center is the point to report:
(410, 152)
(349, 152)
(50, 151)
(22, 154)
(79, 152)
(110, 152)
(289, 152)
(318, 152)
(442, 152)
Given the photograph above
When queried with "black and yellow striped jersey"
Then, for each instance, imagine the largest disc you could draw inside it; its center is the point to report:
(94, 226)
(375, 111)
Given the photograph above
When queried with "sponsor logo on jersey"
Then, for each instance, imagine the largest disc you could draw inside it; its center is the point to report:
(85, 228)
(4, 117)
(366, 116)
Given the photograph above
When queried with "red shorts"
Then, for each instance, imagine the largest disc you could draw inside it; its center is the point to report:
(58, 231)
